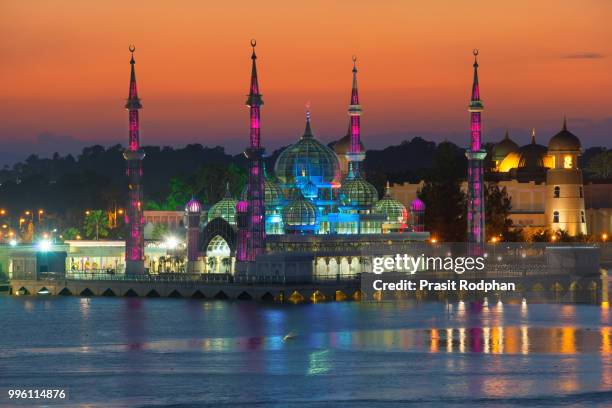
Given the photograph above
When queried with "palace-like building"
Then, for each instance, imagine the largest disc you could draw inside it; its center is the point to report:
(545, 185)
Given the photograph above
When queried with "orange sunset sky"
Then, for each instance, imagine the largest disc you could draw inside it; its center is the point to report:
(64, 70)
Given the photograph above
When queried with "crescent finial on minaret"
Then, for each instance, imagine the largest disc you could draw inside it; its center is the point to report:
(253, 44)
(132, 49)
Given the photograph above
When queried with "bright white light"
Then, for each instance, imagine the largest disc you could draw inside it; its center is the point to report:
(172, 242)
(13, 242)
(44, 245)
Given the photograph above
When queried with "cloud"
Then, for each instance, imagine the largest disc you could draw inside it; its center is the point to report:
(584, 55)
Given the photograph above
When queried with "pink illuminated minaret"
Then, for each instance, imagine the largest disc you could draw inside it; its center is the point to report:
(354, 155)
(134, 243)
(251, 228)
(475, 155)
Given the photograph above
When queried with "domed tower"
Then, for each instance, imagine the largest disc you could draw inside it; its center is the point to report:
(226, 208)
(357, 197)
(308, 159)
(193, 213)
(395, 213)
(300, 216)
(417, 215)
(502, 149)
(564, 189)
(532, 161)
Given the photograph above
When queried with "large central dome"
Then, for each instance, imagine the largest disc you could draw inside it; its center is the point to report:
(308, 157)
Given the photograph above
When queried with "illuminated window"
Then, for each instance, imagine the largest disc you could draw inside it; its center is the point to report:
(556, 217)
(557, 191)
(568, 162)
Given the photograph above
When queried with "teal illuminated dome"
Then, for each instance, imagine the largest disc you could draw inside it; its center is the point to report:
(226, 209)
(395, 211)
(310, 190)
(308, 156)
(300, 213)
(357, 192)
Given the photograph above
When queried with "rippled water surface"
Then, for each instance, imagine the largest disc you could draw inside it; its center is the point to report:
(108, 352)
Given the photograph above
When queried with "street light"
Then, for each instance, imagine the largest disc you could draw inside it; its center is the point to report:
(44, 245)
(604, 237)
(171, 242)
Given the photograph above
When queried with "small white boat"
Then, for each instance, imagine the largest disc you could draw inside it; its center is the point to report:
(289, 336)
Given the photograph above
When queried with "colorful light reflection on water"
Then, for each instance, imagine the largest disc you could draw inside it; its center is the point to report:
(138, 350)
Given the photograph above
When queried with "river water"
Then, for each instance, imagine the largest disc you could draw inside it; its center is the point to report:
(130, 352)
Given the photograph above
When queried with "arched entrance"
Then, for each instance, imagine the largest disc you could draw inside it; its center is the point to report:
(218, 256)
(219, 247)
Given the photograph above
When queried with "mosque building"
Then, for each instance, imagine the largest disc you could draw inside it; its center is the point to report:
(545, 185)
(320, 211)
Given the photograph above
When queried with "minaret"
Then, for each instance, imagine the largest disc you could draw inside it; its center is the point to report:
(354, 155)
(252, 233)
(193, 214)
(134, 243)
(475, 156)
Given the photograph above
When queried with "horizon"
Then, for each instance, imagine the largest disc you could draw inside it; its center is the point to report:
(69, 72)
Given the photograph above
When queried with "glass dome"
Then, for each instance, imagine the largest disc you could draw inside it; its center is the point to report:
(308, 156)
(226, 209)
(300, 213)
(357, 192)
(310, 190)
(273, 195)
(395, 211)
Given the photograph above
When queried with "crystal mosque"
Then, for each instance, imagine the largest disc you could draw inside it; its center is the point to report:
(320, 213)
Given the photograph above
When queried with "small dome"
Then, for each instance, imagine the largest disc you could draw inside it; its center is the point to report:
(308, 156)
(193, 206)
(273, 194)
(564, 140)
(309, 190)
(299, 213)
(341, 146)
(394, 210)
(226, 209)
(504, 148)
(531, 156)
(358, 192)
(417, 205)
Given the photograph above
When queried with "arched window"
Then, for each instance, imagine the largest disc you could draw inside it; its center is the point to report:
(557, 191)
(582, 217)
(556, 217)
(581, 192)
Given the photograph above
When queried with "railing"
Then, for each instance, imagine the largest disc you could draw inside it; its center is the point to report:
(159, 277)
